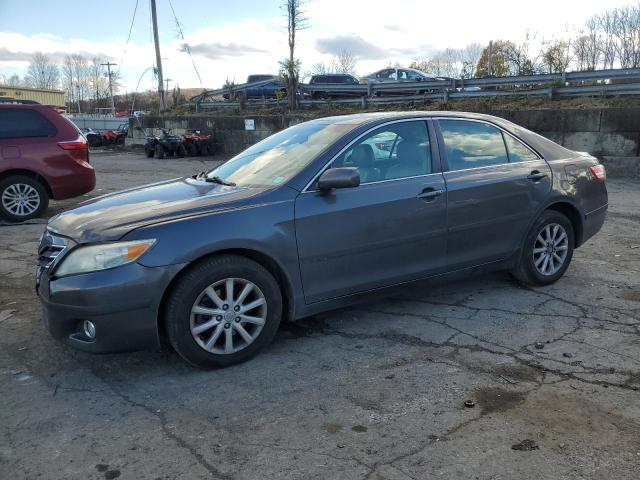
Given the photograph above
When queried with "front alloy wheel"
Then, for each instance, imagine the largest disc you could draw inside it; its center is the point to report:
(228, 316)
(222, 310)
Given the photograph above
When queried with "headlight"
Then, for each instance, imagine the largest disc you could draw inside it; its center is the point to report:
(102, 256)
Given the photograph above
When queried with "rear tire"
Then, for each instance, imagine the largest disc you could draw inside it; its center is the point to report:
(192, 150)
(547, 250)
(94, 142)
(190, 292)
(22, 198)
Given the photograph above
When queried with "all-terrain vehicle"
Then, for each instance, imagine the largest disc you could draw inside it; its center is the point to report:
(164, 145)
(117, 136)
(94, 138)
(198, 143)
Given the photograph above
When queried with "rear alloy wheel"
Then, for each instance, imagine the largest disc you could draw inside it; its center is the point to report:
(22, 198)
(223, 311)
(547, 250)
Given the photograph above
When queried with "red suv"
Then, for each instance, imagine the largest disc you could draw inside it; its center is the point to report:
(42, 155)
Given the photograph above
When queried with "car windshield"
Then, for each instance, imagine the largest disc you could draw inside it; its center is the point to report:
(276, 159)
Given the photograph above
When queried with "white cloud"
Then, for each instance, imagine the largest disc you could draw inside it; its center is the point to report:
(378, 33)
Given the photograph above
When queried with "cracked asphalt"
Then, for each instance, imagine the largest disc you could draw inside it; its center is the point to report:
(375, 391)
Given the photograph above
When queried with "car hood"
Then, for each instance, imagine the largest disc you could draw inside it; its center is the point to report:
(112, 216)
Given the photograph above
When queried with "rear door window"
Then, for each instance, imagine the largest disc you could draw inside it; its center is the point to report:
(472, 144)
(518, 152)
(24, 123)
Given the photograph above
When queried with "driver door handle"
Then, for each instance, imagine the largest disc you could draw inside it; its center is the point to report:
(429, 194)
(536, 175)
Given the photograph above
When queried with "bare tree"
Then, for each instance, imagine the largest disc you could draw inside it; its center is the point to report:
(470, 55)
(290, 68)
(11, 81)
(345, 62)
(76, 78)
(42, 73)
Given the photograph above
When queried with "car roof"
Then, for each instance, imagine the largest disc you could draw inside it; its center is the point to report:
(373, 117)
(548, 149)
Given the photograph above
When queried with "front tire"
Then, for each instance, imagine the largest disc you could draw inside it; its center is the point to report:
(22, 198)
(223, 311)
(547, 250)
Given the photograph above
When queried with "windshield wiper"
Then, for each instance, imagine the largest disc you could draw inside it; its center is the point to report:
(216, 179)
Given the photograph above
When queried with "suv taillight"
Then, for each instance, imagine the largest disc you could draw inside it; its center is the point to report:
(78, 149)
(599, 173)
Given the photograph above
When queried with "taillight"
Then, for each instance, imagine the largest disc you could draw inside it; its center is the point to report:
(599, 173)
(78, 149)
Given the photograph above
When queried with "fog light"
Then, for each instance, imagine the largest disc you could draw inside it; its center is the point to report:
(89, 329)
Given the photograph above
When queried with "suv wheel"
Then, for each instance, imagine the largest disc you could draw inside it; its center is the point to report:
(22, 198)
(159, 151)
(547, 250)
(223, 311)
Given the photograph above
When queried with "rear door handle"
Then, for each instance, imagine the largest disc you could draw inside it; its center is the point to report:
(429, 194)
(536, 175)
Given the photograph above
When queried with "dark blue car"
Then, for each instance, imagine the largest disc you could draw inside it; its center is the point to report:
(263, 88)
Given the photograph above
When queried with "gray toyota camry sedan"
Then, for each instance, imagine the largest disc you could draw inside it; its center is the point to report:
(310, 219)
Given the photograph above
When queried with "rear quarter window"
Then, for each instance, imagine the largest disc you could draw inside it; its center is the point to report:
(24, 123)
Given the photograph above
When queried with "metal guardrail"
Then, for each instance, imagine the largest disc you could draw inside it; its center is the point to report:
(451, 89)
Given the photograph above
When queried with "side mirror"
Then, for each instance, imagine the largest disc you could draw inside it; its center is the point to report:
(343, 177)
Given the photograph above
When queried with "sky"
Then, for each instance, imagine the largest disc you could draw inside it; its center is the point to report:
(231, 39)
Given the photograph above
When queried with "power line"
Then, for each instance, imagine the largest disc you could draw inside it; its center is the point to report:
(185, 45)
(126, 45)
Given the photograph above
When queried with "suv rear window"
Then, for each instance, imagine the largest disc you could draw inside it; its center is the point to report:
(22, 123)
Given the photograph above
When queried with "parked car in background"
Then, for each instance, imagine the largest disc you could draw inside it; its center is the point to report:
(271, 89)
(42, 155)
(94, 138)
(399, 75)
(260, 77)
(334, 79)
(308, 220)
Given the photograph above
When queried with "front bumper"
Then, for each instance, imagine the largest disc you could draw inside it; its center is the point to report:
(122, 303)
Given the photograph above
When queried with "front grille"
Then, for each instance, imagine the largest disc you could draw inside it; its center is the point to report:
(47, 256)
(51, 247)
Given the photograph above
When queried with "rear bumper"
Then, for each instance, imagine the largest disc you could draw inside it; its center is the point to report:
(80, 180)
(593, 222)
(122, 303)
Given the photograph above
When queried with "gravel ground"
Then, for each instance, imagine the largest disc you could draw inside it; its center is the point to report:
(376, 391)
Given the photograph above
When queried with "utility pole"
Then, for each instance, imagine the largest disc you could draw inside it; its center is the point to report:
(490, 59)
(109, 65)
(154, 21)
(78, 96)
